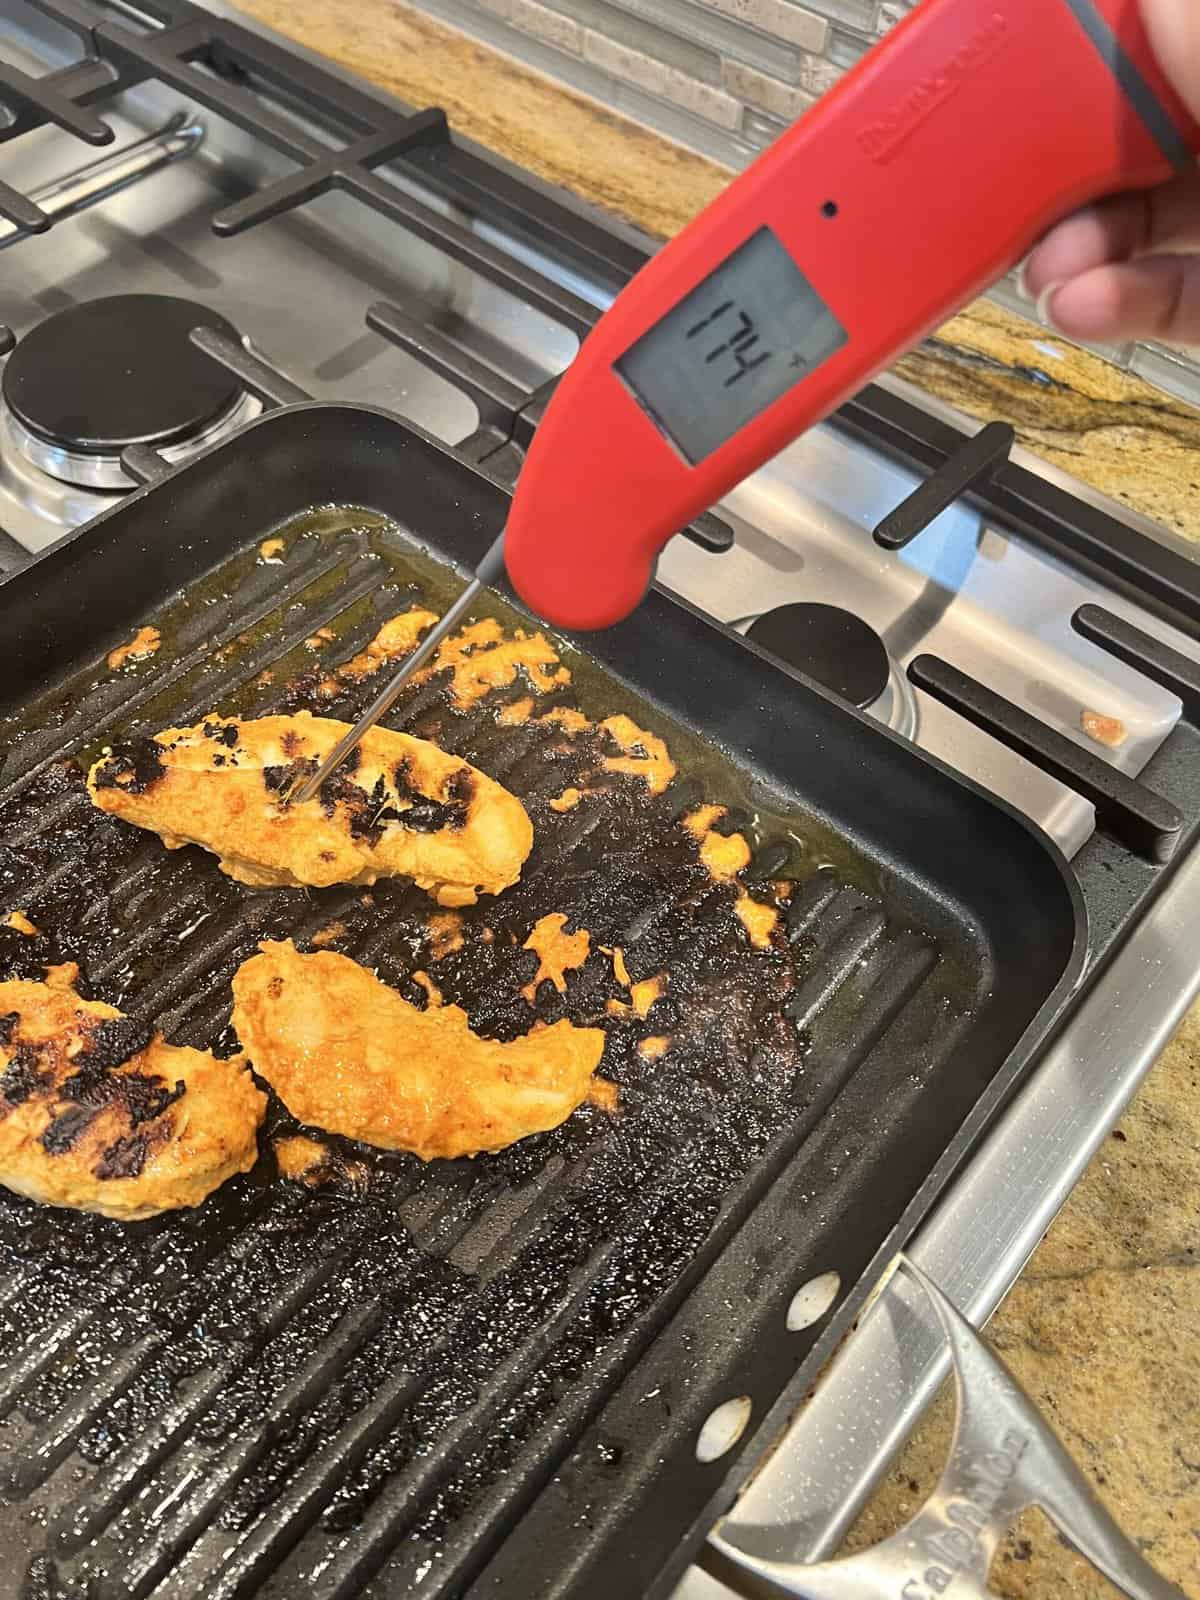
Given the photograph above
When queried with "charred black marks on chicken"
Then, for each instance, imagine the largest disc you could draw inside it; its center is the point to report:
(368, 812)
(424, 815)
(67, 1129)
(95, 1084)
(361, 813)
(134, 765)
(460, 786)
(21, 1078)
(112, 1042)
(222, 733)
(280, 780)
(141, 1096)
(125, 1158)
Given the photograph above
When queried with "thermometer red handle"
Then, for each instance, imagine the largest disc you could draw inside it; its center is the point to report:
(913, 185)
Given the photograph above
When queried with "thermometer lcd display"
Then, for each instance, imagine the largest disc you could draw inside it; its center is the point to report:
(750, 332)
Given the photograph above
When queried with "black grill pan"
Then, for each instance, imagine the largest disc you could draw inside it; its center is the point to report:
(489, 1376)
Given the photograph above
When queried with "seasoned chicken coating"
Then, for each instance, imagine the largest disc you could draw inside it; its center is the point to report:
(347, 1054)
(398, 806)
(98, 1114)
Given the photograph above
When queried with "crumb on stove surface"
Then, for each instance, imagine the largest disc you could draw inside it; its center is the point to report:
(1110, 731)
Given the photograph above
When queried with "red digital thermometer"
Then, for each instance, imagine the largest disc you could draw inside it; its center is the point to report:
(913, 185)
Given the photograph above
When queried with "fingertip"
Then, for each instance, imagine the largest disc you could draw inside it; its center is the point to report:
(1107, 232)
(1035, 275)
(1045, 303)
(1089, 307)
(1067, 250)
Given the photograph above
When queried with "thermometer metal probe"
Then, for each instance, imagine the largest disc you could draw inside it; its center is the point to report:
(916, 182)
(488, 570)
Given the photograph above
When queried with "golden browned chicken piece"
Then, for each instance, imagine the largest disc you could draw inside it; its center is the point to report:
(347, 1054)
(398, 807)
(98, 1114)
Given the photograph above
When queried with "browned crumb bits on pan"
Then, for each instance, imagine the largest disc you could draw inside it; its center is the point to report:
(655, 1047)
(516, 712)
(143, 644)
(397, 636)
(644, 755)
(642, 996)
(309, 1161)
(759, 920)
(724, 856)
(604, 1094)
(432, 992)
(303, 1159)
(558, 952)
(445, 934)
(567, 718)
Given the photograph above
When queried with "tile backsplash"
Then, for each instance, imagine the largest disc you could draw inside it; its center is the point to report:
(724, 77)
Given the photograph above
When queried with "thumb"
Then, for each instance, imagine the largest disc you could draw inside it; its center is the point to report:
(1173, 27)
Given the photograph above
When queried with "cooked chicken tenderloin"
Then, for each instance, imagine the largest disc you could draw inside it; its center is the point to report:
(398, 807)
(98, 1114)
(347, 1054)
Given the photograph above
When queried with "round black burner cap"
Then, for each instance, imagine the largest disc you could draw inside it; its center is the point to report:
(119, 371)
(833, 646)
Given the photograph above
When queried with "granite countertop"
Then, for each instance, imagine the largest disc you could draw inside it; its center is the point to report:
(1104, 1326)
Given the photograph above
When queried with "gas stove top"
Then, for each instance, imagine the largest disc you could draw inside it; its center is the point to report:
(329, 243)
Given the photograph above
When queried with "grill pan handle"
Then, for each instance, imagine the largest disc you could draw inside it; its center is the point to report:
(1004, 1459)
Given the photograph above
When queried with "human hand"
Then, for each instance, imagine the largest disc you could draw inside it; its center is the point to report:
(1129, 268)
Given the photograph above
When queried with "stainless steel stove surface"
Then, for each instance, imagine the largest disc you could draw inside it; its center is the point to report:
(964, 589)
(453, 292)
